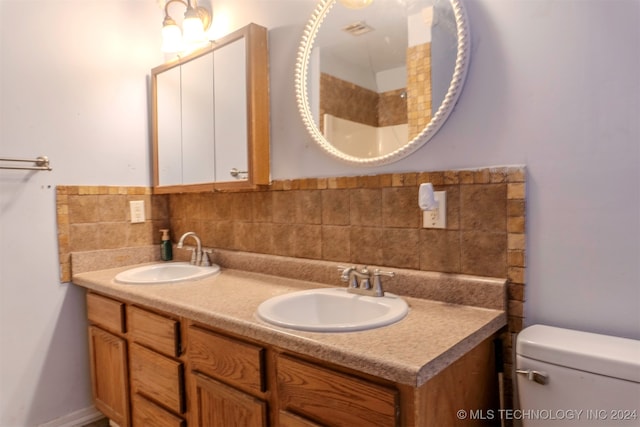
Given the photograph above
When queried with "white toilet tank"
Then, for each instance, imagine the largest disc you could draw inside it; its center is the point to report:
(573, 378)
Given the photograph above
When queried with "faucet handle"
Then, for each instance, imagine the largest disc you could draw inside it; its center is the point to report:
(206, 262)
(377, 273)
(377, 281)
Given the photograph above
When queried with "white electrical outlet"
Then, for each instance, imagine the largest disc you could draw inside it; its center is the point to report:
(137, 211)
(436, 218)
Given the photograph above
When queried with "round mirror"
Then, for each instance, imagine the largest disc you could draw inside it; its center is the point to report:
(375, 83)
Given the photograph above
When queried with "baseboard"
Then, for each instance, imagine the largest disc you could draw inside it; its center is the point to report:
(76, 419)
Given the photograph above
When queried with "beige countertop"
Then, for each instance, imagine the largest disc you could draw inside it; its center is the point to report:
(432, 336)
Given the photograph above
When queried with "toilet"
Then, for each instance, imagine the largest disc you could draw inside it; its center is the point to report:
(572, 378)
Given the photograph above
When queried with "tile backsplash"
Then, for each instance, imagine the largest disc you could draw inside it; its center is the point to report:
(372, 220)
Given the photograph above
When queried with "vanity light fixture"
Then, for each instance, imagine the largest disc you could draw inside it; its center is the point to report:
(197, 20)
(355, 4)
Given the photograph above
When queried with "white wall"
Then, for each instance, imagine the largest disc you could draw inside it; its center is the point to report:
(72, 87)
(552, 84)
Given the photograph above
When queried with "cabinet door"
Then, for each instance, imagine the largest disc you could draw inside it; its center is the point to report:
(218, 405)
(108, 357)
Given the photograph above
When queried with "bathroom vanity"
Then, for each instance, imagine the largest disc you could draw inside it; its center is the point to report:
(194, 353)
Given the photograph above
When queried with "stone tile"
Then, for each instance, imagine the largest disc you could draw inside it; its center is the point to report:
(83, 209)
(222, 207)
(439, 250)
(366, 245)
(113, 208)
(335, 207)
(264, 238)
(160, 207)
(483, 207)
(241, 206)
(284, 203)
(244, 236)
(453, 206)
(515, 207)
(400, 207)
(516, 258)
(483, 253)
(113, 235)
(336, 244)
(223, 236)
(283, 240)
(262, 205)
(307, 241)
(84, 237)
(140, 234)
(308, 207)
(515, 224)
(366, 207)
(400, 248)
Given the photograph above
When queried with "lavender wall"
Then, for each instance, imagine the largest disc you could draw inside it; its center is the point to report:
(552, 84)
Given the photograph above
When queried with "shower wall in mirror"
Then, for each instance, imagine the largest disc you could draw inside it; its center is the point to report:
(376, 83)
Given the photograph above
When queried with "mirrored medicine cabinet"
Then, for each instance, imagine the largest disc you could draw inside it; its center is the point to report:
(210, 116)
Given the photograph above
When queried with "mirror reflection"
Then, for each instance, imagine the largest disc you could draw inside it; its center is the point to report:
(376, 76)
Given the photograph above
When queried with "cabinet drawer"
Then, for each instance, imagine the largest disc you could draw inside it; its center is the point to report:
(154, 331)
(157, 377)
(146, 413)
(334, 398)
(234, 362)
(106, 312)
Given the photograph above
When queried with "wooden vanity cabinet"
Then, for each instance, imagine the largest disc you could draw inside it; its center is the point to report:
(165, 371)
(136, 371)
(108, 358)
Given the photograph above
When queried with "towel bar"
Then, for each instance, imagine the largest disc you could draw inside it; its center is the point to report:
(41, 163)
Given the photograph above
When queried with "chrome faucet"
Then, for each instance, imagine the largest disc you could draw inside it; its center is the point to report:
(198, 256)
(359, 281)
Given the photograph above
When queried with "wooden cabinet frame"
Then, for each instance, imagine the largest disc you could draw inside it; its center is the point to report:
(258, 117)
(263, 385)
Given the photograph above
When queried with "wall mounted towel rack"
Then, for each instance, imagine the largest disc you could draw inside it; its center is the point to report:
(41, 164)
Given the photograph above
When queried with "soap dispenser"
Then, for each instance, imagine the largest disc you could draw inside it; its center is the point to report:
(166, 250)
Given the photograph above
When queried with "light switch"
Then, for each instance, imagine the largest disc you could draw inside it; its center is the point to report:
(137, 211)
(436, 218)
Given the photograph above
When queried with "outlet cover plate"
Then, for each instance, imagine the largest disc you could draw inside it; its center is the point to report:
(436, 218)
(137, 211)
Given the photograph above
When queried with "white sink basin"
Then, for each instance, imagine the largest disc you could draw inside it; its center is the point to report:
(332, 310)
(173, 272)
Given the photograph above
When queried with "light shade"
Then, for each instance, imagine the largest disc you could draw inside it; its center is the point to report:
(355, 4)
(196, 21)
(171, 37)
(193, 27)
